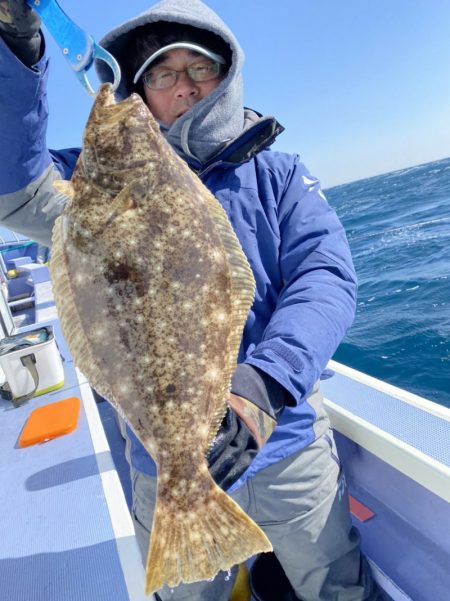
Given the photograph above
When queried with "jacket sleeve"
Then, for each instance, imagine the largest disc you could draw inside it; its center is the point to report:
(28, 202)
(317, 303)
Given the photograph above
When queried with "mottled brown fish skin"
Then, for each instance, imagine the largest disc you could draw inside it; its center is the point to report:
(153, 291)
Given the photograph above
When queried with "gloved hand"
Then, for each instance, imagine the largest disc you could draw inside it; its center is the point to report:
(19, 28)
(247, 424)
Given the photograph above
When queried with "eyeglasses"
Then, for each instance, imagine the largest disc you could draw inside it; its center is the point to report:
(167, 78)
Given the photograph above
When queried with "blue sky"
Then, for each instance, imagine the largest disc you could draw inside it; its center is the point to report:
(361, 86)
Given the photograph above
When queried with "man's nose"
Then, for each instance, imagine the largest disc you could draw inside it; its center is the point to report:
(185, 86)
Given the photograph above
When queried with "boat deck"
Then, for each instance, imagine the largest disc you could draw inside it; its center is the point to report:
(395, 448)
(66, 528)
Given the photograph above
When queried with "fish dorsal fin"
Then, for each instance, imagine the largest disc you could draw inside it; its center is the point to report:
(65, 187)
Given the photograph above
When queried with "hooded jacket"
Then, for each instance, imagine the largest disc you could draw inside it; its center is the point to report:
(295, 244)
(219, 117)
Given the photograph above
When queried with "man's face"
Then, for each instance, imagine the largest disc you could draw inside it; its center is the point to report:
(168, 104)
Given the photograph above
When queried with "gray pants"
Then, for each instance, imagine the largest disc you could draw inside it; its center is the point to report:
(301, 504)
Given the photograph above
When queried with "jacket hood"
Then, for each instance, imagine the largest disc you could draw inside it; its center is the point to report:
(216, 120)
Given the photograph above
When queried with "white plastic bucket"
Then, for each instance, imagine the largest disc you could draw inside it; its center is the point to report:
(31, 363)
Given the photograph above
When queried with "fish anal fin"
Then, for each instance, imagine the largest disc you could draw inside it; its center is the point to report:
(242, 292)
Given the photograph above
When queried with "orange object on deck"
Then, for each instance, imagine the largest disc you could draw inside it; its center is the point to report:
(50, 421)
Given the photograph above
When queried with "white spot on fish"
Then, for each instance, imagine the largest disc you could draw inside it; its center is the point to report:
(213, 374)
(203, 430)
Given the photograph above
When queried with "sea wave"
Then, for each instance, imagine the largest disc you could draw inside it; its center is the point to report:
(399, 232)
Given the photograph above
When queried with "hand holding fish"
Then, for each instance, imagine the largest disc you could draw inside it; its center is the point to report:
(257, 421)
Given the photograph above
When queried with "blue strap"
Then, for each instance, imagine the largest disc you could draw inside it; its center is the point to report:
(78, 46)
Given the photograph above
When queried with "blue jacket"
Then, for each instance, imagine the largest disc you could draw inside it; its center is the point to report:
(296, 246)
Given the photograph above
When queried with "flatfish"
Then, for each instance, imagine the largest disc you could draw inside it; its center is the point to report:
(153, 290)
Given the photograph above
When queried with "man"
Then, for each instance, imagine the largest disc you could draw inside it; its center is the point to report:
(186, 64)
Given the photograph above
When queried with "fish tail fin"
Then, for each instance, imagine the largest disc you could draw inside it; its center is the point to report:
(197, 543)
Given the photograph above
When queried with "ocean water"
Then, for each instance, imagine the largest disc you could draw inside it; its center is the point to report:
(398, 227)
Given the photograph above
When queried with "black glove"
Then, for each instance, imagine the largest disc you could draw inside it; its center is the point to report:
(19, 28)
(232, 451)
(258, 401)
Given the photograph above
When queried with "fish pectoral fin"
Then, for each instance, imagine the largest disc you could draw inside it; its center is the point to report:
(65, 187)
(126, 200)
(214, 534)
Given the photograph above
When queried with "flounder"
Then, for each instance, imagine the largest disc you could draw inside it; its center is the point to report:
(153, 290)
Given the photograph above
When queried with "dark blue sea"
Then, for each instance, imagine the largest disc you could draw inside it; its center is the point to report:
(398, 227)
